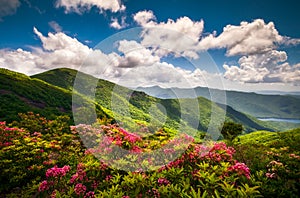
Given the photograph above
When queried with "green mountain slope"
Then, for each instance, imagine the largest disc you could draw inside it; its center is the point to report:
(20, 94)
(257, 105)
(134, 106)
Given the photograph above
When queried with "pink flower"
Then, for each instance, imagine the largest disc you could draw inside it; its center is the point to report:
(163, 181)
(57, 172)
(108, 177)
(270, 175)
(53, 194)
(136, 149)
(80, 189)
(90, 194)
(74, 178)
(95, 184)
(241, 169)
(43, 186)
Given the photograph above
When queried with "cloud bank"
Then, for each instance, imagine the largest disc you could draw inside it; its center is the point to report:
(81, 6)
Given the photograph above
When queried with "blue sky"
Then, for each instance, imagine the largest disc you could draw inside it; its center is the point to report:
(254, 45)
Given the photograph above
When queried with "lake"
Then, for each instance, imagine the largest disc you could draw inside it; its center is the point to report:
(280, 120)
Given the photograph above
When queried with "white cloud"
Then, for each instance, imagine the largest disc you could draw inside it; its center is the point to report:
(8, 7)
(55, 26)
(81, 6)
(58, 50)
(247, 38)
(290, 41)
(269, 67)
(137, 65)
(135, 55)
(117, 25)
(180, 36)
(160, 73)
(144, 17)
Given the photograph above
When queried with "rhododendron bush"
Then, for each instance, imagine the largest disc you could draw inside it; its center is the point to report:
(108, 161)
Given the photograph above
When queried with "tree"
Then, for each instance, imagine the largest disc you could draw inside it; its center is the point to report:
(230, 130)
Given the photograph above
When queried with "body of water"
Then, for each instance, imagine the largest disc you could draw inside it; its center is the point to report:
(280, 120)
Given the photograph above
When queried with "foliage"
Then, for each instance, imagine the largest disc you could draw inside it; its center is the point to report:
(39, 164)
(25, 155)
(274, 158)
(231, 130)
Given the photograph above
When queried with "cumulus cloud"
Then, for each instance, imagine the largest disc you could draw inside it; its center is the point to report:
(81, 6)
(180, 36)
(185, 36)
(144, 17)
(135, 55)
(269, 67)
(58, 50)
(162, 74)
(55, 26)
(133, 65)
(118, 25)
(247, 38)
(8, 7)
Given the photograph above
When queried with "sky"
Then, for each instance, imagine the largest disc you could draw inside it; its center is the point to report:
(246, 45)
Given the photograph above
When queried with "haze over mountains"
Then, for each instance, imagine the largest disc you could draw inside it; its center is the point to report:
(50, 94)
(257, 105)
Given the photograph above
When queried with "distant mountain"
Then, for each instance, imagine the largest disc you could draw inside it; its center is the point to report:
(266, 92)
(257, 105)
(50, 94)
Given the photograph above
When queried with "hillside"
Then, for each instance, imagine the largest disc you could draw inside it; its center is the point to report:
(142, 107)
(257, 105)
(21, 93)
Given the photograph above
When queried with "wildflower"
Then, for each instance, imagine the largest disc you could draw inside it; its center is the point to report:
(74, 178)
(57, 172)
(53, 194)
(270, 175)
(241, 169)
(44, 186)
(136, 149)
(90, 194)
(163, 181)
(80, 189)
(108, 177)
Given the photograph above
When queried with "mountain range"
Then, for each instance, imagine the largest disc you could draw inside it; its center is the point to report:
(258, 105)
(66, 91)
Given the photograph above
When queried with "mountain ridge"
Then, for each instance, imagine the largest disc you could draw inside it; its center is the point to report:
(254, 104)
(55, 87)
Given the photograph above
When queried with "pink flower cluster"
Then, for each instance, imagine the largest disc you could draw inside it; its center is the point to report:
(163, 181)
(79, 175)
(89, 194)
(8, 135)
(53, 172)
(80, 189)
(220, 151)
(44, 186)
(241, 169)
(57, 172)
(130, 137)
